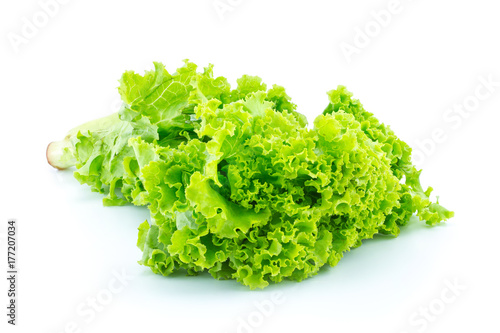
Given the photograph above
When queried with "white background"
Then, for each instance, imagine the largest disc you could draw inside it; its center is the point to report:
(428, 58)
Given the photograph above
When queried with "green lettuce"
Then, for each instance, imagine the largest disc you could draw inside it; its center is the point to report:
(237, 183)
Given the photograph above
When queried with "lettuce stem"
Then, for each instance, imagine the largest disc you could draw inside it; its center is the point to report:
(60, 153)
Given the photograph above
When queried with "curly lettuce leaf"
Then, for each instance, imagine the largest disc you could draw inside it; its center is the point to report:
(237, 184)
